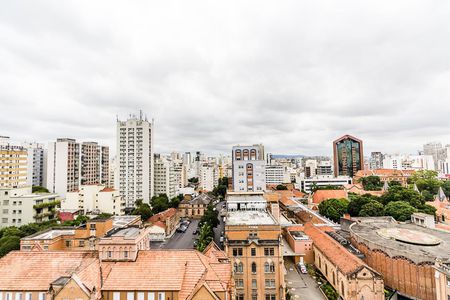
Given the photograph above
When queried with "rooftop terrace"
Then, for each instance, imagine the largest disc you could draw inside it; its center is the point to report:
(249, 217)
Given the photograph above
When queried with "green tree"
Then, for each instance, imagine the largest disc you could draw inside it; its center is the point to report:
(446, 187)
(399, 210)
(205, 237)
(80, 219)
(281, 187)
(372, 209)
(399, 193)
(371, 183)
(356, 203)
(427, 209)
(426, 180)
(160, 203)
(193, 180)
(9, 243)
(333, 209)
(394, 183)
(39, 189)
(175, 201)
(143, 210)
(210, 217)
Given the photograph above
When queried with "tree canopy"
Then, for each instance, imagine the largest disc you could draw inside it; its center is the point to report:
(333, 209)
(357, 202)
(399, 210)
(426, 180)
(399, 193)
(371, 183)
(281, 187)
(372, 209)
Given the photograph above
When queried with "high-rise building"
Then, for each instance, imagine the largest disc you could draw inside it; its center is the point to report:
(249, 168)
(63, 166)
(276, 174)
(164, 181)
(348, 156)
(376, 160)
(208, 176)
(71, 164)
(13, 164)
(436, 150)
(94, 164)
(408, 162)
(310, 168)
(36, 164)
(324, 168)
(134, 178)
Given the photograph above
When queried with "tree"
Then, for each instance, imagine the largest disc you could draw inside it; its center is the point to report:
(372, 209)
(175, 201)
(210, 217)
(333, 209)
(399, 210)
(394, 183)
(281, 187)
(160, 203)
(193, 180)
(446, 187)
(426, 180)
(399, 193)
(221, 189)
(142, 209)
(356, 203)
(205, 237)
(39, 189)
(427, 209)
(371, 183)
(9, 243)
(80, 219)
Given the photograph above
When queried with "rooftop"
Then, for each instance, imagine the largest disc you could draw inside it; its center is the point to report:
(417, 243)
(122, 221)
(50, 234)
(249, 217)
(245, 197)
(126, 233)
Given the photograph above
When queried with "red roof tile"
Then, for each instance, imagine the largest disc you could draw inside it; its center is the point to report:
(162, 216)
(322, 195)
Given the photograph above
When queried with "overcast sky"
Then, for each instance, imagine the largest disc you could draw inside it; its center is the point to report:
(293, 75)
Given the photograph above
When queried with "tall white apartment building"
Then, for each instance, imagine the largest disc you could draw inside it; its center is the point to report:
(208, 176)
(63, 166)
(164, 179)
(307, 184)
(36, 164)
(71, 164)
(438, 153)
(249, 168)
(180, 175)
(310, 168)
(95, 199)
(13, 164)
(276, 174)
(94, 164)
(409, 162)
(135, 178)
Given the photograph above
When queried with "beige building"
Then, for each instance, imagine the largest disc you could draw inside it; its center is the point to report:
(252, 241)
(19, 206)
(13, 165)
(195, 208)
(95, 199)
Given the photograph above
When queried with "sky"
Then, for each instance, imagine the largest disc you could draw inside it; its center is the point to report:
(293, 75)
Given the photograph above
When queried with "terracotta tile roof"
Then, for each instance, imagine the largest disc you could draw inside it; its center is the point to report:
(108, 189)
(214, 252)
(162, 216)
(357, 188)
(384, 172)
(160, 224)
(322, 195)
(178, 270)
(18, 267)
(66, 216)
(335, 252)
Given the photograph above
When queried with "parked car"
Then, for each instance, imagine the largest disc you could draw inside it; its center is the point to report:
(302, 268)
(182, 228)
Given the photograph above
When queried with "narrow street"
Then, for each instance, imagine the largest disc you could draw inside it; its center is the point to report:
(221, 227)
(180, 240)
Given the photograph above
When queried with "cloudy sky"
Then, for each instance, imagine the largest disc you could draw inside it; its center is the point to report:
(293, 75)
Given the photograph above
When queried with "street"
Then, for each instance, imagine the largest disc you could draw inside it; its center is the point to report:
(180, 240)
(221, 227)
(301, 286)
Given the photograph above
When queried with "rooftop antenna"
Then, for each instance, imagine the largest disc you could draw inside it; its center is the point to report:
(140, 114)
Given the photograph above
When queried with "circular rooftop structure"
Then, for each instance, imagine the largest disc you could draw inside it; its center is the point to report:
(409, 236)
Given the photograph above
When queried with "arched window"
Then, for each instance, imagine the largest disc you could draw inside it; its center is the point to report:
(342, 289)
(253, 267)
(237, 154)
(253, 154)
(245, 154)
(269, 267)
(249, 177)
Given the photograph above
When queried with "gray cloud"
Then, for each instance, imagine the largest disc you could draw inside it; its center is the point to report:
(292, 75)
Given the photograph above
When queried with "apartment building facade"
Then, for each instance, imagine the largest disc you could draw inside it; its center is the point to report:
(13, 165)
(135, 159)
(249, 168)
(36, 164)
(165, 177)
(252, 241)
(20, 206)
(95, 199)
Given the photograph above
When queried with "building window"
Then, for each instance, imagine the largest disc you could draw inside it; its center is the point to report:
(109, 253)
(254, 284)
(239, 283)
(19, 296)
(269, 267)
(81, 243)
(8, 296)
(151, 296)
(125, 254)
(269, 251)
(253, 251)
(254, 297)
(238, 267)
(271, 297)
(270, 283)
(92, 226)
(141, 296)
(130, 296)
(253, 267)
(237, 251)
(42, 296)
(161, 296)
(68, 244)
(27, 296)
(240, 297)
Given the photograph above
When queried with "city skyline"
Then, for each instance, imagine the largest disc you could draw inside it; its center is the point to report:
(228, 76)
